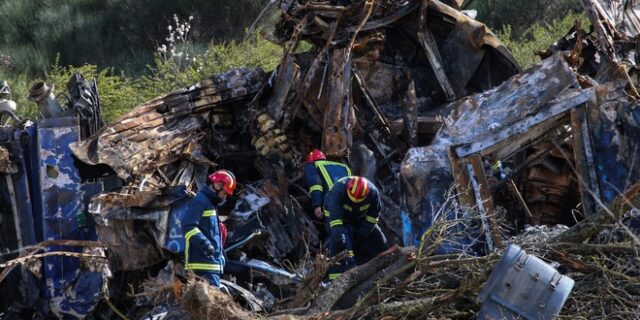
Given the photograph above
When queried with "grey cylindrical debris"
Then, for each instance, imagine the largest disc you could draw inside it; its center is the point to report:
(42, 94)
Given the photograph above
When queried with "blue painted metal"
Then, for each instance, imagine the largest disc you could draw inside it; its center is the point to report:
(615, 132)
(31, 150)
(72, 293)
(14, 186)
(174, 240)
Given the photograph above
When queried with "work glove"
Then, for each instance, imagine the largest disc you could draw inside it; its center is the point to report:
(339, 238)
(210, 251)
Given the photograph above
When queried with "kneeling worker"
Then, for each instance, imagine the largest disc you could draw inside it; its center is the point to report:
(354, 208)
(201, 228)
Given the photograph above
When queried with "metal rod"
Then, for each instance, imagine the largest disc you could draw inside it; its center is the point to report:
(515, 190)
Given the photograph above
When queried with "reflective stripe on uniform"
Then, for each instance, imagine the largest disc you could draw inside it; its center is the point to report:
(347, 207)
(351, 254)
(325, 174)
(204, 266)
(365, 207)
(209, 213)
(336, 222)
(316, 187)
(371, 219)
(187, 237)
(333, 276)
(326, 212)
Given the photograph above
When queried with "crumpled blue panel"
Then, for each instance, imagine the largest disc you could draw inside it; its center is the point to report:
(615, 131)
(63, 200)
(80, 299)
(174, 241)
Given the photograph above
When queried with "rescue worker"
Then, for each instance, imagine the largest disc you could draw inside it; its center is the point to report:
(354, 209)
(320, 175)
(202, 231)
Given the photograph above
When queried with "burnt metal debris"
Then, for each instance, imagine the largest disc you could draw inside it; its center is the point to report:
(469, 152)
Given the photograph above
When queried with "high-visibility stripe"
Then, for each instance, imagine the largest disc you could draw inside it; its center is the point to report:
(371, 219)
(351, 254)
(326, 212)
(347, 207)
(204, 266)
(187, 237)
(365, 207)
(191, 233)
(336, 222)
(316, 187)
(232, 179)
(325, 174)
(209, 213)
(333, 276)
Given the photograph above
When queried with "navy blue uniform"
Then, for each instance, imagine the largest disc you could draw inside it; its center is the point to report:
(201, 229)
(354, 226)
(320, 177)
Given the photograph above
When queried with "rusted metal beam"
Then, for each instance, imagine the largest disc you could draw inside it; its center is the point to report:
(287, 74)
(462, 181)
(336, 137)
(484, 201)
(585, 169)
(430, 48)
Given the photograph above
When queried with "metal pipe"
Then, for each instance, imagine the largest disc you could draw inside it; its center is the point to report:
(42, 94)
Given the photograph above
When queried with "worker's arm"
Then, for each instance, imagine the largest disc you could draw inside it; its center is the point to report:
(314, 183)
(191, 221)
(371, 216)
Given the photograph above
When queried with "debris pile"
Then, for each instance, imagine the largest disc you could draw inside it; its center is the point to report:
(415, 95)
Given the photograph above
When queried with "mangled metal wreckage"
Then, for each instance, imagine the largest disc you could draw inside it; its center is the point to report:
(415, 95)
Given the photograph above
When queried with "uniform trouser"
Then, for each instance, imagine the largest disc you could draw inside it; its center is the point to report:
(361, 248)
(212, 277)
(335, 247)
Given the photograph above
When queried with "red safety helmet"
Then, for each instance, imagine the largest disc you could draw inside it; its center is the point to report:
(315, 155)
(227, 178)
(358, 188)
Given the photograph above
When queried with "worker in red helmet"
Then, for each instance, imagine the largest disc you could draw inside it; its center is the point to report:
(354, 209)
(320, 175)
(202, 230)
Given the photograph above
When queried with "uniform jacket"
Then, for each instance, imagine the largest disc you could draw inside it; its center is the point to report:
(201, 228)
(362, 216)
(320, 177)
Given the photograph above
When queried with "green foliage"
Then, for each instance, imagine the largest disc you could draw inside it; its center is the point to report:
(119, 93)
(522, 14)
(539, 37)
(119, 33)
(169, 74)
